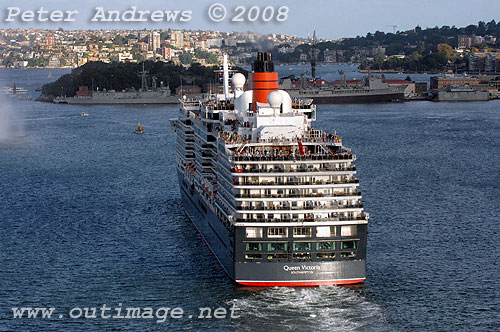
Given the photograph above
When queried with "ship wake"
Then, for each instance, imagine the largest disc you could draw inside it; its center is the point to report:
(329, 308)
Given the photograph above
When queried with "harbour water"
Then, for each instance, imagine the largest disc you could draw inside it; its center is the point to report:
(90, 215)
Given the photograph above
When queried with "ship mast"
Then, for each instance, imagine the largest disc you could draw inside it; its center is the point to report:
(144, 83)
(226, 76)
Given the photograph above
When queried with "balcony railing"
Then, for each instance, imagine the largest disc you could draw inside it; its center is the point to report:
(318, 195)
(309, 157)
(275, 220)
(308, 207)
(288, 170)
(293, 183)
(311, 136)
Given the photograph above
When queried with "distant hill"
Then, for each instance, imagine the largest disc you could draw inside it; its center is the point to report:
(419, 43)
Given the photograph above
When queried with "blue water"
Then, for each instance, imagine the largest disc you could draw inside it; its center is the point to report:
(90, 215)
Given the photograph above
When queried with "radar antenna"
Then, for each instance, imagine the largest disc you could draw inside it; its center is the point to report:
(144, 83)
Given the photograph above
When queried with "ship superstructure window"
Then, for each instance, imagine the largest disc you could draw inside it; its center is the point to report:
(325, 255)
(253, 256)
(254, 232)
(302, 255)
(277, 232)
(348, 230)
(348, 245)
(302, 246)
(326, 231)
(325, 245)
(302, 231)
(278, 246)
(253, 247)
(277, 256)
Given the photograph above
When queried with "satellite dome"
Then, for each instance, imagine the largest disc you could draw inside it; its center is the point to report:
(275, 99)
(239, 80)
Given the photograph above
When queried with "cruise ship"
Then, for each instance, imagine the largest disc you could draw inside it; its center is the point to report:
(275, 200)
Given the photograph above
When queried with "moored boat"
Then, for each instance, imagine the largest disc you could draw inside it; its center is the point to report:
(139, 129)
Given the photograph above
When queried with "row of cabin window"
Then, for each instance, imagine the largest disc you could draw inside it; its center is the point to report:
(282, 232)
(303, 255)
(301, 246)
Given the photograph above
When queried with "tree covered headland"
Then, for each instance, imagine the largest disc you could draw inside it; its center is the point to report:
(119, 76)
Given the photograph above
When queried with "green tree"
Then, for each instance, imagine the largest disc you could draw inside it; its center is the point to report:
(446, 50)
(378, 61)
(118, 40)
(186, 58)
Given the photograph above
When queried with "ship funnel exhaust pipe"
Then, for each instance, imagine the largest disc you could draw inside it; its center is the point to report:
(264, 79)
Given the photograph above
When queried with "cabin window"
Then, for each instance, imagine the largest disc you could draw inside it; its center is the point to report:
(325, 231)
(325, 255)
(302, 246)
(277, 246)
(253, 247)
(348, 230)
(350, 254)
(277, 256)
(302, 231)
(253, 232)
(348, 245)
(253, 256)
(274, 232)
(302, 255)
(325, 245)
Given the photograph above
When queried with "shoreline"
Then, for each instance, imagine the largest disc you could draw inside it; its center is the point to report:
(4, 67)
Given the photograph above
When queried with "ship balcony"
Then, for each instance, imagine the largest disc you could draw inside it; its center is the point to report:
(205, 146)
(241, 197)
(204, 165)
(186, 132)
(232, 125)
(291, 158)
(205, 155)
(189, 104)
(185, 140)
(183, 126)
(346, 219)
(312, 136)
(187, 155)
(327, 208)
(293, 184)
(283, 171)
(218, 106)
(185, 148)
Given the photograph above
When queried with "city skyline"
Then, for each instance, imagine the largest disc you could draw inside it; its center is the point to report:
(339, 19)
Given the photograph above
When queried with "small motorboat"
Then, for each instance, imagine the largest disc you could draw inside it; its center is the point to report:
(139, 129)
(84, 114)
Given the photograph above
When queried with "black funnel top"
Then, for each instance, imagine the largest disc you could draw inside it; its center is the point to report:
(264, 63)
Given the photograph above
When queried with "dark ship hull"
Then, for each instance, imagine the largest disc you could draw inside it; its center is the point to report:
(228, 246)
